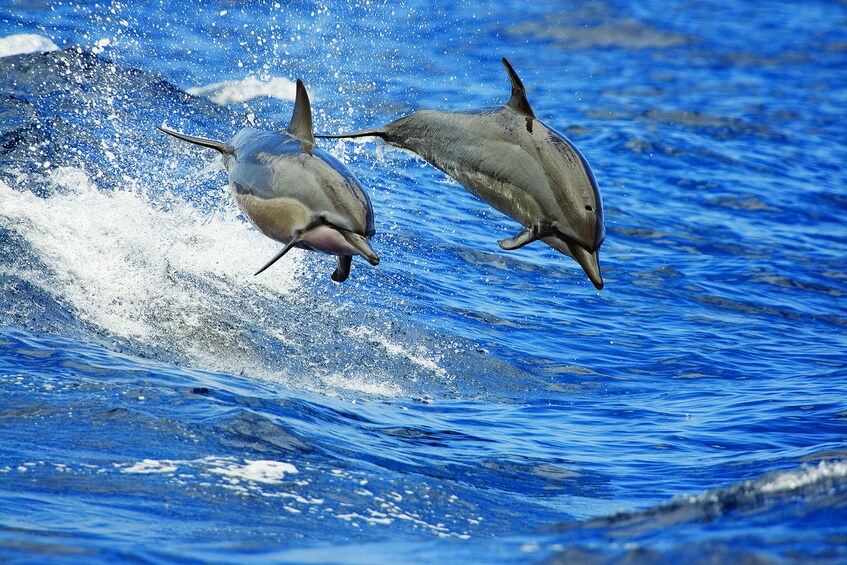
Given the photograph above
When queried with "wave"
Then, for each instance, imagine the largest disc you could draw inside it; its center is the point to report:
(825, 478)
(747, 520)
(114, 232)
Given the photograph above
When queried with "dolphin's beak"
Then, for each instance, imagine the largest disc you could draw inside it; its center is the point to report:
(588, 260)
(590, 263)
(362, 245)
(372, 257)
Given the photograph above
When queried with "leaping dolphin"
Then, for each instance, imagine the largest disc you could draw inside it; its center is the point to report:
(294, 192)
(521, 167)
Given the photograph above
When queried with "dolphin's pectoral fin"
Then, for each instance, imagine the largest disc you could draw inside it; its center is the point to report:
(301, 119)
(294, 241)
(296, 237)
(518, 99)
(525, 237)
(341, 272)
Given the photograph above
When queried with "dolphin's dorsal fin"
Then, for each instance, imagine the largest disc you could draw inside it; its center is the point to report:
(301, 120)
(518, 100)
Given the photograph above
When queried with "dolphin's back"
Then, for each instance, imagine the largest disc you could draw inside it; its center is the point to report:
(512, 161)
(272, 166)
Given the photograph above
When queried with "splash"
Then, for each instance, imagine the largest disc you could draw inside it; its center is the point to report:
(136, 241)
(142, 272)
(229, 92)
(23, 43)
(418, 355)
(173, 281)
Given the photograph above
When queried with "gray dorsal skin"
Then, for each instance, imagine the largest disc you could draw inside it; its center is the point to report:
(294, 192)
(518, 165)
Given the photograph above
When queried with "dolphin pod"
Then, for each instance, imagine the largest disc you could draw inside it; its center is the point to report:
(303, 197)
(294, 192)
(518, 165)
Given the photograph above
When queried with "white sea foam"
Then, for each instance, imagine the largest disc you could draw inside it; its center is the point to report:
(142, 271)
(245, 477)
(150, 466)
(269, 472)
(419, 355)
(361, 383)
(778, 483)
(281, 480)
(389, 513)
(161, 273)
(803, 477)
(375, 518)
(22, 43)
(259, 471)
(249, 88)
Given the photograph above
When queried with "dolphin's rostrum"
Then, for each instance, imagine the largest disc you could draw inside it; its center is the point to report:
(513, 161)
(294, 192)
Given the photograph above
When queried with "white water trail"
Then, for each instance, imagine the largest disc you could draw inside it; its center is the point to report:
(161, 274)
(153, 274)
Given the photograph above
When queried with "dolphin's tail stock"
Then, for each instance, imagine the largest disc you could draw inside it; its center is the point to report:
(376, 132)
(210, 143)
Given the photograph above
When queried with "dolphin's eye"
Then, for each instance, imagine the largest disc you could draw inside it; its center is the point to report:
(589, 208)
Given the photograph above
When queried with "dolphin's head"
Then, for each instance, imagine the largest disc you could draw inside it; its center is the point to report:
(578, 220)
(580, 214)
(579, 229)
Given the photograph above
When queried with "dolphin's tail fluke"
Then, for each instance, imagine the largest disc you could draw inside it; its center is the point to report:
(210, 143)
(376, 132)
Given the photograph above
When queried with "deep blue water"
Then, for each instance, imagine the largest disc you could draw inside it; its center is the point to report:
(457, 402)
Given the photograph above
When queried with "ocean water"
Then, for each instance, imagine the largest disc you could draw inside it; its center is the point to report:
(456, 403)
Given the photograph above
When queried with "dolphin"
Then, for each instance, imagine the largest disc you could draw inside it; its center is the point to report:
(514, 162)
(294, 192)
